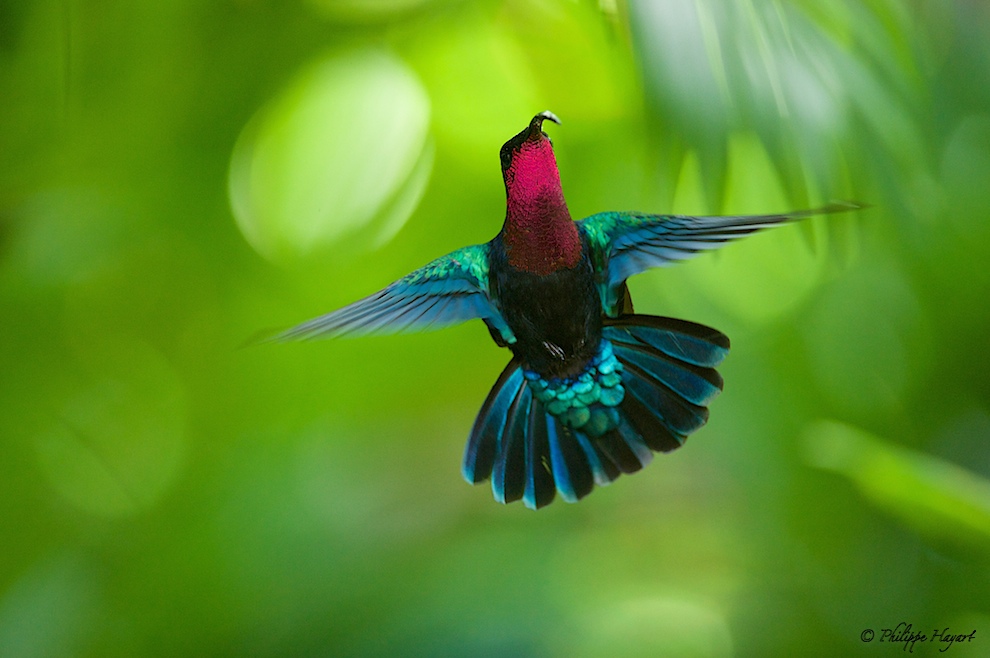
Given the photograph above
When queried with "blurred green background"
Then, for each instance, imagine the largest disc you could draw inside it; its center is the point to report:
(176, 177)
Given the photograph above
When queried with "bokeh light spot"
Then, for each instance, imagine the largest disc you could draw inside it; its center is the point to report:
(343, 151)
(367, 11)
(657, 626)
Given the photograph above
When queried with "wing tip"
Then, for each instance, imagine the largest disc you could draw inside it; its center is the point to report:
(831, 208)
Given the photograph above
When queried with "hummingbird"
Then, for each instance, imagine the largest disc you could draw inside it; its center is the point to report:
(593, 389)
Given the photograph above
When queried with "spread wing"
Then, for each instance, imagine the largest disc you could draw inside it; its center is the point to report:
(450, 290)
(627, 243)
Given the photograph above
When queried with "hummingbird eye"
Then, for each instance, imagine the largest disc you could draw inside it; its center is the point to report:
(506, 156)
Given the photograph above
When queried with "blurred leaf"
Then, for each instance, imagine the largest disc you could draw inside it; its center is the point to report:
(932, 495)
(800, 77)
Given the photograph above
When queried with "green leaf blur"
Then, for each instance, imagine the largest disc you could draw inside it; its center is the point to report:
(178, 177)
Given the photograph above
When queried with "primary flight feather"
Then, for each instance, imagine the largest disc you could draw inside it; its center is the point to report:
(593, 389)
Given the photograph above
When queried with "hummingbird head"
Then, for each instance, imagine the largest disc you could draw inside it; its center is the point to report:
(528, 160)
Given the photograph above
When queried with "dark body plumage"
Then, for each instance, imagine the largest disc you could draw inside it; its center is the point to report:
(593, 389)
(556, 318)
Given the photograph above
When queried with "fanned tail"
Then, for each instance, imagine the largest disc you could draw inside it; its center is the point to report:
(534, 437)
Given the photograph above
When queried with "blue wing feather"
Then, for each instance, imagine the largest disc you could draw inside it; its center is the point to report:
(450, 290)
(627, 243)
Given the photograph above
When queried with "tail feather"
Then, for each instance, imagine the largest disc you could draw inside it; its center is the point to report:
(653, 430)
(479, 455)
(603, 469)
(531, 450)
(624, 448)
(683, 340)
(571, 465)
(508, 472)
(699, 386)
(679, 415)
(540, 489)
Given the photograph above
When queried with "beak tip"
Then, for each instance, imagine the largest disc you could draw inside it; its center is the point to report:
(536, 125)
(546, 115)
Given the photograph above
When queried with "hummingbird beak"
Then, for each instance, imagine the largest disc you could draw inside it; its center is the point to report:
(536, 125)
